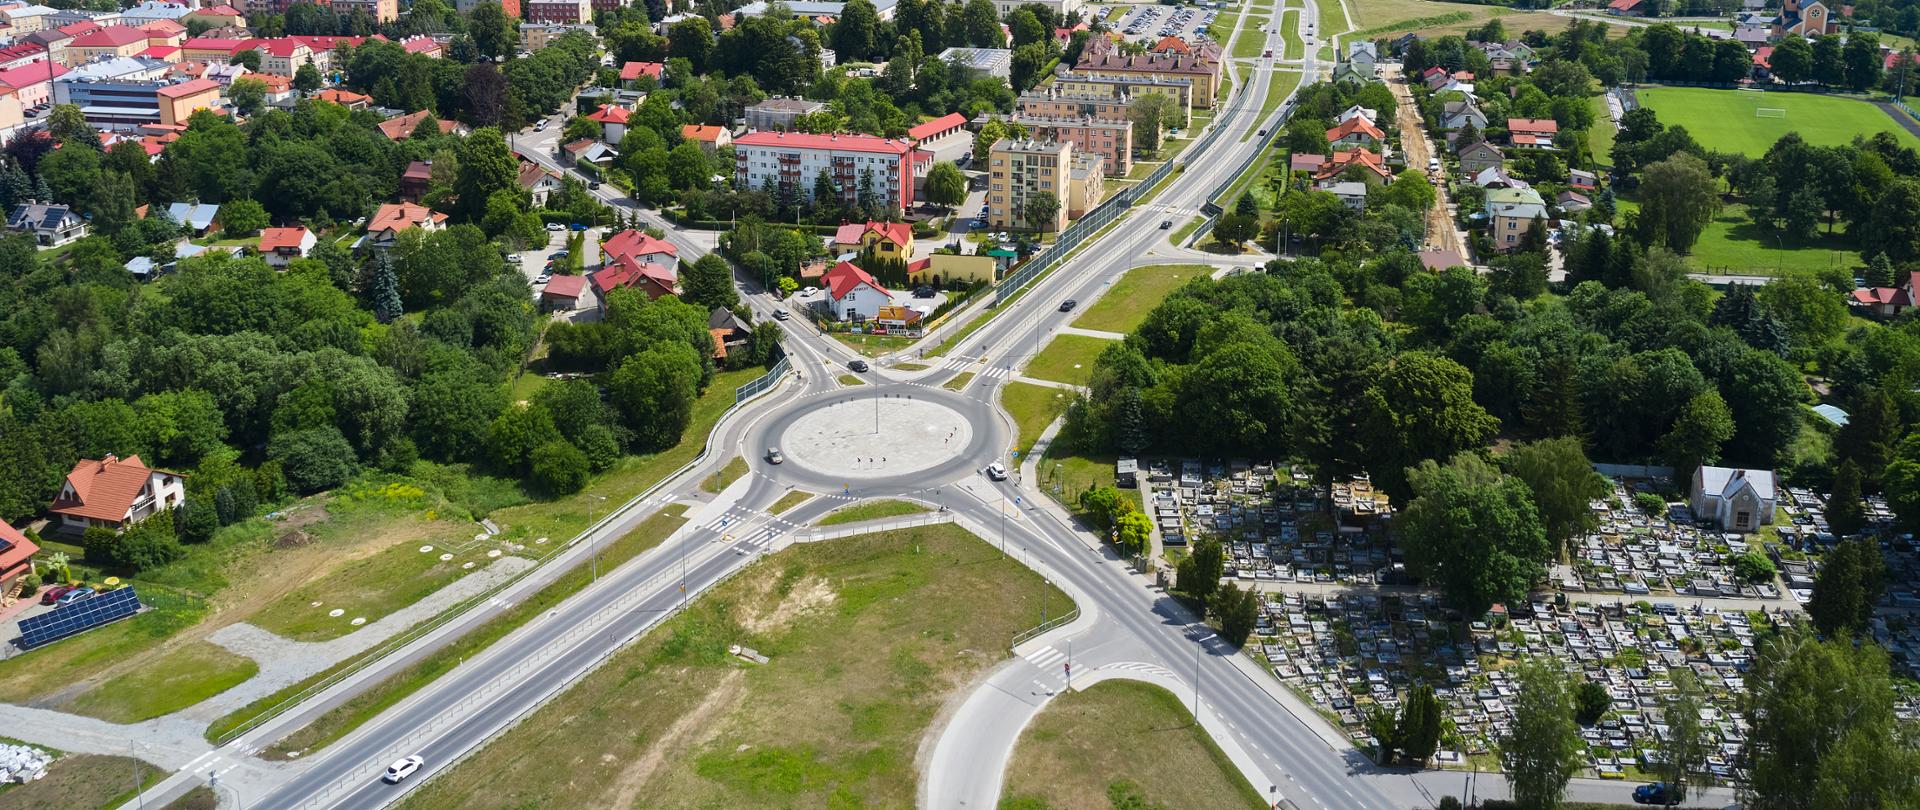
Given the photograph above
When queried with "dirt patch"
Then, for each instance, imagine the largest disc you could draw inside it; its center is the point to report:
(679, 737)
(808, 595)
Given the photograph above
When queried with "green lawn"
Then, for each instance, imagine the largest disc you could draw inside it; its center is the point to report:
(873, 345)
(174, 681)
(1247, 43)
(959, 381)
(789, 501)
(1278, 87)
(1067, 359)
(1087, 744)
(725, 475)
(1726, 120)
(1733, 244)
(1333, 19)
(1600, 135)
(851, 687)
(1181, 233)
(396, 687)
(1032, 407)
(1065, 477)
(367, 588)
(851, 380)
(872, 510)
(1122, 308)
(526, 385)
(82, 781)
(1290, 32)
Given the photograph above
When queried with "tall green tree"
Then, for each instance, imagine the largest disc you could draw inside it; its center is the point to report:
(1563, 482)
(1679, 196)
(1822, 728)
(486, 166)
(1238, 610)
(1420, 725)
(1543, 748)
(1845, 514)
(1041, 211)
(491, 30)
(1703, 425)
(1421, 408)
(1852, 577)
(1474, 533)
(709, 283)
(1685, 746)
(946, 186)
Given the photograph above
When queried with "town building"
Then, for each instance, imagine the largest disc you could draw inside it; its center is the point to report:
(1051, 102)
(535, 36)
(1511, 211)
(32, 84)
(1018, 171)
(280, 246)
(383, 11)
(109, 41)
(1804, 18)
(51, 225)
(779, 113)
(1110, 139)
(562, 293)
(613, 122)
(1102, 57)
(710, 138)
(941, 269)
(126, 92)
(888, 240)
(1735, 500)
(1480, 156)
(1129, 88)
(995, 62)
(401, 127)
(538, 182)
(26, 18)
(640, 246)
(853, 294)
(1086, 183)
(220, 16)
(630, 272)
(392, 218)
(882, 166)
(112, 493)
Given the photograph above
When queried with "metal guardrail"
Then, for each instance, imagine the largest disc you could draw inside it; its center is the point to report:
(1038, 630)
(875, 526)
(758, 386)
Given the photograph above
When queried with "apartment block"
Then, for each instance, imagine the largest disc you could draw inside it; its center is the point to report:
(1131, 89)
(1109, 139)
(1201, 65)
(1055, 103)
(794, 160)
(1018, 169)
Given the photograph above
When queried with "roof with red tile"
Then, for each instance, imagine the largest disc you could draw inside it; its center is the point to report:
(637, 243)
(845, 277)
(611, 114)
(220, 11)
(31, 74)
(103, 489)
(187, 88)
(162, 27)
(277, 238)
(111, 36)
(344, 98)
(400, 127)
(79, 28)
(18, 548)
(838, 143)
(628, 271)
(401, 216)
(853, 233)
(1355, 125)
(213, 44)
(936, 126)
(565, 286)
(700, 133)
(634, 70)
(165, 52)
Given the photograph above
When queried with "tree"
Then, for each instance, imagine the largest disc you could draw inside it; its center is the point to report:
(68, 125)
(1418, 732)
(486, 166)
(559, 468)
(1543, 747)
(687, 167)
(1029, 65)
(946, 186)
(1042, 211)
(1135, 532)
(857, 32)
(982, 24)
(247, 94)
(516, 433)
(1823, 732)
(1679, 196)
(1703, 425)
(306, 79)
(314, 459)
(692, 39)
(1590, 702)
(1852, 577)
(491, 30)
(1150, 114)
(1861, 57)
(249, 59)
(1199, 574)
(1753, 566)
(654, 391)
(1868, 437)
(181, 426)
(1474, 533)
(1239, 611)
(243, 216)
(1792, 61)
(1421, 408)
(709, 283)
(1235, 229)
(1563, 482)
(384, 288)
(1845, 514)
(1685, 745)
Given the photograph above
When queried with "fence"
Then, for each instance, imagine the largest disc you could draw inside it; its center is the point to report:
(745, 392)
(875, 526)
(1105, 213)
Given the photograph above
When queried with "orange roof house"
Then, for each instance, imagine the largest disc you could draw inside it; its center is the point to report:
(710, 138)
(392, 218)
(1341, 161)
(1356, 131)
(113, 493)
(16, 556)
(1532, 131)
(400, 128)
(345, 98)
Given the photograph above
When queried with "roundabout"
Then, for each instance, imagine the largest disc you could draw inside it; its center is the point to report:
(881, 438)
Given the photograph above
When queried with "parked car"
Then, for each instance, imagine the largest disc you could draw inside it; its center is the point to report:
(1068, 305)
(923, 291)
(555, 226)
(544, 277)
(403, 769)
(559, 254)
(1659, 793)
(774, 456)
(53, 594)
(997, 471)
(74, 595)
(859, 365)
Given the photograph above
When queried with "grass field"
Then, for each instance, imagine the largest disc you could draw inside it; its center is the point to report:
(873, 345)
(1082, 751)
(851, 380)
(1428, 17)
(1065, 477)
(82, 781)
(725, 475)
(1247, 44)
(789, 501)
(1278, 87)
(348, 716)
(1122, 308)
(1032, 407)
(832, 720)
(1725, 119)
(1733, 244)
(1600, 135)
(368, 588)
(1333, 19)
(959, 381)
(872, 510)
(174, 681)
(1067, 359)
(1290, 33)
(1181, 233)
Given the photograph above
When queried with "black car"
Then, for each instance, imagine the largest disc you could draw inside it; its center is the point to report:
(859, 365)
(1165, 224)
(1068, 305)
(923, 291)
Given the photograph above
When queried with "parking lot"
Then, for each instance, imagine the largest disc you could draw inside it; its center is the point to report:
(534, 263)
(1149, 24)
(1644, 596)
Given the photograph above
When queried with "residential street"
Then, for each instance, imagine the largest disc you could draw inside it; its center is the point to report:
(1442, 232)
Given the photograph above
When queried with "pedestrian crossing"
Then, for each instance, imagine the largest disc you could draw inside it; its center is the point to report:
(974, 365)
(1046, 657)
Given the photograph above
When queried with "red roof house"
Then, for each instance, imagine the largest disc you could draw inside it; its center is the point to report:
(639, 245)
(633, 71)
(653, 279)
(282, 245)
(563, 293)
(1531, 131)
(1356, 131)
(854, 294)
(113, 493)
(16, 557)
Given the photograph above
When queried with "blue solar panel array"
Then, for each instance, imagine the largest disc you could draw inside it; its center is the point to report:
(78, 617)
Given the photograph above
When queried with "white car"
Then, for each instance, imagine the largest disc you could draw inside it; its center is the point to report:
(997, 471)
(402, 769)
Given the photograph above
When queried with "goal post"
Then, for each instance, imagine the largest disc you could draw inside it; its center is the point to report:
(1769, 112)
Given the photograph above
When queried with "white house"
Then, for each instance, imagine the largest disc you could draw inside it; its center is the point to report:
(280, 246)
(853, 294)
(113, 493)
(1736, 500)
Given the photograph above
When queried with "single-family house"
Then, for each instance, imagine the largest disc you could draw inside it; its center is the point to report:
(1533, 132)
(613, 121)
(1627, 8)
(415, 180)
(1369, 166)
(1351, 194)
(1357, 111)
(1572, 202)
(590, 152)
(345, 98)
(113, 493)
(562, 293)
(538, 181)
(888, 240)
(1363, 54)
(1511, 212)
(1497, 177)
(16, 561)
(280, 246)
(653, 279)
(640, 246)
(1356, 132)
(710, 138)
(1886, 302)
(197, 217)
(1733, 499)
(853, 294)
(1582, 180)
(632, 75)
(51, 225)
(1350, 73)
(1457, 114)
(392, 218)
(1480, 156)
(728, 331)
(401, 127)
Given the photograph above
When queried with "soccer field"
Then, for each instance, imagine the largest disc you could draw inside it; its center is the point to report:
(1729, 120)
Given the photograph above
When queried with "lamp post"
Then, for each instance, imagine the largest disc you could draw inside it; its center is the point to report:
(596, 544)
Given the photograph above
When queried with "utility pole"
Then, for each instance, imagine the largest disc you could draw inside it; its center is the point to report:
(139, 795)
(1196, 683)
(596, 544)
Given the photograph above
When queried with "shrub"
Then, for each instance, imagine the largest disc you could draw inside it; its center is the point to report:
(559, 467)
(1590, 701)
(314, 459)
(1753, 566)
(1649, 503)
(99, 543)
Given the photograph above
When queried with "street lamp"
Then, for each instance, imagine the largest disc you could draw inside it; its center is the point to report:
(596, 544)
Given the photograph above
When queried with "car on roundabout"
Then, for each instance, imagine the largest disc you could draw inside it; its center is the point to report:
(774, 456)
(403, 768)
(859, 365)
(997, 471)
